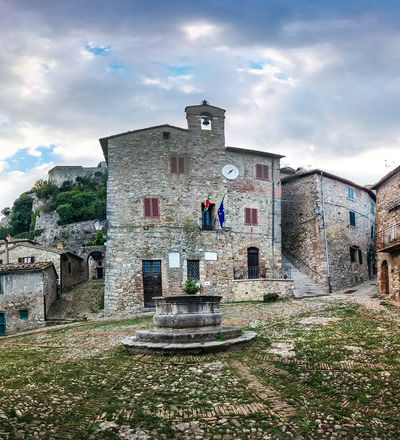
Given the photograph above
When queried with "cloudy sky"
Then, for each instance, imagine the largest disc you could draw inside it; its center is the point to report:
(317, 81)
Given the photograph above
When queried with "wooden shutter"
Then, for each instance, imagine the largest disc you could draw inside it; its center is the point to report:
(32, 259)
(352, 218)
(181, 165)
(155, 208)
(247, 216)
(254, 217)
(174, 168)
(259, 171)
(265, 172)
(147, 207)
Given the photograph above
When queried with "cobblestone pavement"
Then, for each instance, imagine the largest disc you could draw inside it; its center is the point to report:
(325, 367)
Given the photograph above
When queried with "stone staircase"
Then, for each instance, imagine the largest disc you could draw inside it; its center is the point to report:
(303, 285)
(83, 301)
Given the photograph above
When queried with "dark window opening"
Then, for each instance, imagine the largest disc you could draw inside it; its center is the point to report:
(1, 261)
(23, 314)
(353, 254)
(26, 260)
(69, 267)
(253, 269)
(166, 135)
(262, 172)
(1, 285)
(193, 269)
(208, 217)
(151, 208)
(372, 232)
(352, 216)
(360, 257)
(251, 216)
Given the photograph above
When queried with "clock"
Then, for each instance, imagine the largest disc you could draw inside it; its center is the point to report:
(230, 172)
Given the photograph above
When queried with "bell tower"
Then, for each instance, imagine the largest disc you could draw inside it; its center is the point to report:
(206, 119)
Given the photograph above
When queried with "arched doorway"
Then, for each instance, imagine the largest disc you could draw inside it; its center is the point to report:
(384, 281)
(253, 269)
(95, 264)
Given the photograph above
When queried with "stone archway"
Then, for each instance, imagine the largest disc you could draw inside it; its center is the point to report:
(384, 278)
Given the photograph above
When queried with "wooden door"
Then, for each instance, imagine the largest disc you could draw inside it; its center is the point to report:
(3, 330)
(252, 263)
(151, 281)
(384, 278)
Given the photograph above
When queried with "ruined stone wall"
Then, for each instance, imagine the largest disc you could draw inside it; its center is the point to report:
(393, 261)
(23, 291)
(302, 227)
(139, 167)
(72, 271)
(254, 290)
(60, 174)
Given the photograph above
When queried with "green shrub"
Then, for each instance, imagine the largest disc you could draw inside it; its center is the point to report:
(44, 189)
(4, 232)
(21, 214)
(99, 239)
(66, 213)
(190, 287)
(270, 297)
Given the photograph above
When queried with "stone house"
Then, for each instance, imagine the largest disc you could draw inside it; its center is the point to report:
(27, 292)
(68, 266)
(328, 228)
(388, 236)
(165, 189)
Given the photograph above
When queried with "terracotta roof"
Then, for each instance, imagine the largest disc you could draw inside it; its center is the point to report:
(304, 173)
(5, 268)
(388, 176)
(39, 246)
(247, 150)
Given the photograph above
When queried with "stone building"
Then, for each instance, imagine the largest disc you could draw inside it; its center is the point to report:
(60, 174)
(165, 188)
(388, 237)
(328, 228)
(69, 267)
(27, 291)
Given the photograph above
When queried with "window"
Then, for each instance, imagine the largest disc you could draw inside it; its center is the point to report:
(360, 258)
(251, 216)
(351, 193)
(23, 314)
(165, 135)
(177, 165)
(26, 260)
(262, 172)
(69, 267)
(193, 269)
(1, 261)
(151, 208)
(207, 217)
(353, 254)
(372, 231)
(1, 285)
(373, 207)
(352, 216)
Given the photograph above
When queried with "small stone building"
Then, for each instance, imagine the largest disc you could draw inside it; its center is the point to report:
(388, 237)
(68, 266)
(62, 173)
(167, 188)
(27, 292)
(328, 228)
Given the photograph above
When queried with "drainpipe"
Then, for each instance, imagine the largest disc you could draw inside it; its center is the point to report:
(6, 251)
(325, 239)
(273, 217)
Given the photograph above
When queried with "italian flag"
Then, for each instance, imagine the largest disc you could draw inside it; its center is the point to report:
(207, 204)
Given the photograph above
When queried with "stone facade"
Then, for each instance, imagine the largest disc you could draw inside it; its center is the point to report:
(180, 169)
(388, 238)
(60, 174)
(317, 234)
(27, 292)
(254, 290)
(67, 265)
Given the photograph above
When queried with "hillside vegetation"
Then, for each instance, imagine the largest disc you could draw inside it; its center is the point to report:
(83, 199)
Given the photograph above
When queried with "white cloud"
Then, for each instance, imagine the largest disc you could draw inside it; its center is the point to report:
(196, 31)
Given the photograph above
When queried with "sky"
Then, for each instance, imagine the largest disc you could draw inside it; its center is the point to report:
(316, 81)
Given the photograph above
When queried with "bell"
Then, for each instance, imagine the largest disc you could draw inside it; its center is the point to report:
(206, 120)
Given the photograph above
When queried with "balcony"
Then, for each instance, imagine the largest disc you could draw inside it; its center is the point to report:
(389, 239)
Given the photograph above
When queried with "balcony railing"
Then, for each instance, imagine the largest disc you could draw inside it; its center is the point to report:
(389, 236)
(255, 272)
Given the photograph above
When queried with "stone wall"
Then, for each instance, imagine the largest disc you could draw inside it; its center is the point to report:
(254, 290)
(139, 167)
(305, 220)
(60, 174)
(392, 259)
(25, 290)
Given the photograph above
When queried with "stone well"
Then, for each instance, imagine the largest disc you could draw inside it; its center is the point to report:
(188, 324)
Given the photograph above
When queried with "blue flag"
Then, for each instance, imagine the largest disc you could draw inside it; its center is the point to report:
(221, 213)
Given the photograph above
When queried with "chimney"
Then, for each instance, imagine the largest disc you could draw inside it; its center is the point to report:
(60, 245)
(6, 250)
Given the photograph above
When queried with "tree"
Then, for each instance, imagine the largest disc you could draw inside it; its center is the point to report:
(21, 214)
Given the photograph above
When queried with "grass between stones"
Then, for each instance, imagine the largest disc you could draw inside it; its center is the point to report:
(319, 369)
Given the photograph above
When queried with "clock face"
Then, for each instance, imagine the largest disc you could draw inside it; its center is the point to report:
(230, 172)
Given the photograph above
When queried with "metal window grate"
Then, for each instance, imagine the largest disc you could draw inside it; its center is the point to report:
(193, 269)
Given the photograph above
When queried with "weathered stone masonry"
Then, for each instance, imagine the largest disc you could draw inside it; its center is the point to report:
(140, 167)
(317, 231)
